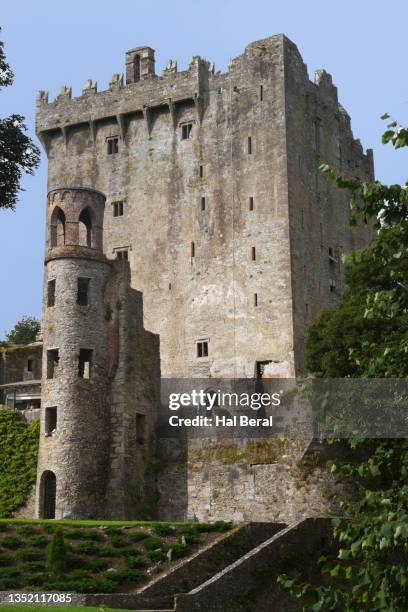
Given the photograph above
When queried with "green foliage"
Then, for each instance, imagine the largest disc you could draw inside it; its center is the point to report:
(151, 543)
(18, 153)
(134, 561)
(367, 337)
(163, 530)
(10, 541)
(24, 331)
(138, 536)
(18, 460)
(57, 554)
(88, 547)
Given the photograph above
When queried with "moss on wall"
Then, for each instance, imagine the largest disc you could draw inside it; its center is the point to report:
(18, 460)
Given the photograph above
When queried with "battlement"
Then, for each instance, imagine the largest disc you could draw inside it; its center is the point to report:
(141, 93)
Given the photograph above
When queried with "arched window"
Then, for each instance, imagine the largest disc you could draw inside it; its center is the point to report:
(85, 228)
(57, 227)
(48, 495)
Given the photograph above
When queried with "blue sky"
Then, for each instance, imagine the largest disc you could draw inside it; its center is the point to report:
(362, 43)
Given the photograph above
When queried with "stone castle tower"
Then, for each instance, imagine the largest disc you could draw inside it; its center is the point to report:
(90, 420)
(217, 214)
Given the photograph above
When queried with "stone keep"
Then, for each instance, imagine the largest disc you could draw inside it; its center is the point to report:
(232, 233)
(93, 411)
(218, 214)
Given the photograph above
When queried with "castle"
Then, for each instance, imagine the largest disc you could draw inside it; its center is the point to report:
(190, 234)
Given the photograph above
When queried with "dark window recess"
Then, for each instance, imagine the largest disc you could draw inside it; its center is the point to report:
(253, 254)
(52, 362)
(169, 286)
(112, 145)
(260, 368)
(251, 203)
(49, 495)
(83, 290)
(50, 420)
(261, 93)
(192, 249)
(123, 254)
(249, 145)
(140, 428)
(201, 170)
(118, 209)
(202, 348)
(203, 203)
(30, 364)
(51, 293)
(255, 299)
(332, 286)
(85, 363)
(186, 131)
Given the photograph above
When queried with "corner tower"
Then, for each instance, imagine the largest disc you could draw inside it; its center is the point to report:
(74, 444)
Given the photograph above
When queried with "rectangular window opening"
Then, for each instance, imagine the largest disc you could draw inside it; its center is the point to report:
(122, 254)
(112, 144)
(30, 364)
(201, 170)
(186, 131)
(261, 93)
(202, 348)
(332, 286)
(140, 428)
(118, 208)
(82, 291)
(50, 421)
(51, 293)
(251, 203)
(253, 254)
(249, 145)
(85, 363)
(192, 249)
(52, 363)
(203, 203)
(255, 299)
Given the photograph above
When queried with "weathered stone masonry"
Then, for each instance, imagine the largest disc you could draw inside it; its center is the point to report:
(214, 197)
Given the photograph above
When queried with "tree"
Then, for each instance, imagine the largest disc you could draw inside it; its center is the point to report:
(18, 153)
(57, 554)
(370, 569)
(24, 331)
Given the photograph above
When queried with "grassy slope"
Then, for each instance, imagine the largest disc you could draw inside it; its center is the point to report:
(101, 558)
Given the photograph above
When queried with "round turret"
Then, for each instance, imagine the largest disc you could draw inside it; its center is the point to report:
(74, 449)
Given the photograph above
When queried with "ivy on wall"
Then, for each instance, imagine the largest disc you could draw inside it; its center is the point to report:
(18, 460)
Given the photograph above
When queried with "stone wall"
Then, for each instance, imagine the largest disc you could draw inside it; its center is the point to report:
(212, 293)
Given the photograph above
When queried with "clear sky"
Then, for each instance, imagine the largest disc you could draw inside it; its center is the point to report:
(49, 43)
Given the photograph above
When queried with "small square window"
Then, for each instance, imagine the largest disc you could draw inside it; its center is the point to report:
(202, 348)
(112, 144)
(82, 291)
(122, 254)
(186, 131)
(51, 293)
(85, 363)
(50, 421)
(118, 208)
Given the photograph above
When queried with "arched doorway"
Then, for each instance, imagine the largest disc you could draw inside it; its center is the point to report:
(48, 490)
